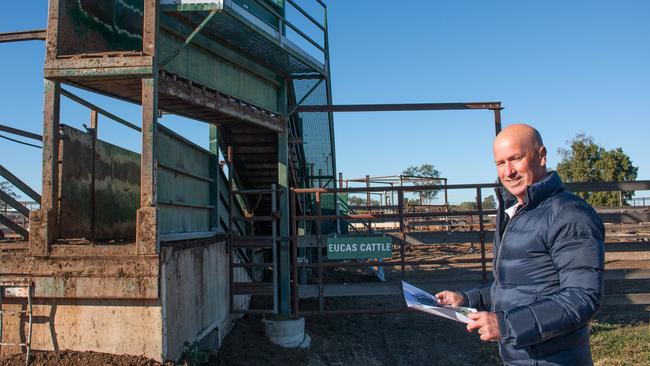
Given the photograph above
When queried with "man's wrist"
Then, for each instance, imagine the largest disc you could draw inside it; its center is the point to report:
(503, 328)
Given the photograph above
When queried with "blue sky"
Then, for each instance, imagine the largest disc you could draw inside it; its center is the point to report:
(566, 67)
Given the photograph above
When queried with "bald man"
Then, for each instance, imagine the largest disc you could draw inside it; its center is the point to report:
(548, 262)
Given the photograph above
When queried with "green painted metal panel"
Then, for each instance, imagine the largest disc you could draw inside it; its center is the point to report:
(116, 190)
(88, 26)
(359, 247)
(182, 154)
(182, 172)
(204, 63)
(182, 219)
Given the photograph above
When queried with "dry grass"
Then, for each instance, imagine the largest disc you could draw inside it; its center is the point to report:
(618, 344)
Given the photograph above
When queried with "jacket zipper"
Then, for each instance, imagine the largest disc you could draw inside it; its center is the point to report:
(501, 241)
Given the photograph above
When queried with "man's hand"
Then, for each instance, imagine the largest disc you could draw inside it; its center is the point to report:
(450, 298)
(486, 323)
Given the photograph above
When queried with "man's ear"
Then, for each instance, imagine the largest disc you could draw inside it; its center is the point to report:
(542, 155)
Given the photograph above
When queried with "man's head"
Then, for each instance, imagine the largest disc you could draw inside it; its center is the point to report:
(520, 157)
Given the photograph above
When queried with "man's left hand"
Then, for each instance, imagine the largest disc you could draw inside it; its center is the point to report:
(486, 323)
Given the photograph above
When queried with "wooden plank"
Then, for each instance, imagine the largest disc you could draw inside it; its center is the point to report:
(614, 247)
(627, 299)
(639, 185)
(627, 274)
(625, 217)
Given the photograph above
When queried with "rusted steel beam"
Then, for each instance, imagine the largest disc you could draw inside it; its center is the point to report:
(4, 197)
(19, 184)
(13, 227)
(197, 96)
(30, 35)
(398, 107)
(147, 216)
(99, 110)
(22, 133)
(47, 217)
(395, 263)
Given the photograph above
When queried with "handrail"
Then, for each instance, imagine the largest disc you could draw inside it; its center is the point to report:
(292, 26)
(639, 185)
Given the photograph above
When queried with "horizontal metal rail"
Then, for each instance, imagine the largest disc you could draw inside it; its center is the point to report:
(291, 25)
(30, 35)
(184, 204)
(22, 133)
(639, 185)
(4, 197)
(303, 12)
(13, 226)
(399, 107)
(184, 172)
(99, 110)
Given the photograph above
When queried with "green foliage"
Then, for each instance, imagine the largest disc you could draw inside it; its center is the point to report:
(585, 161)
(424, 171)
(193, 355)
(361, 201)
(489, 203)
(468, 206)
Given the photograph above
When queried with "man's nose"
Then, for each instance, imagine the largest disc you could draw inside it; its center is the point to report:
(510, 169)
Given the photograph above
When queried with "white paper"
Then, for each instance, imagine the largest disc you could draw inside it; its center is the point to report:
(424, 301)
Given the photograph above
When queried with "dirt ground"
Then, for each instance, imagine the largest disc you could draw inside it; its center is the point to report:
(408, 338)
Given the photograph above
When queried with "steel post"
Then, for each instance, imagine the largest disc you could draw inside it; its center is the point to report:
(284, 254)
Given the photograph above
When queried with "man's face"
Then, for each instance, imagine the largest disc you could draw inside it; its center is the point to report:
(519, 164)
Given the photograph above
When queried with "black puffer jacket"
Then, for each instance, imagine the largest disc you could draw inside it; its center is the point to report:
(548, 269)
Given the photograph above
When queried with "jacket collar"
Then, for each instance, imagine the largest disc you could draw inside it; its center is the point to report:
(536, 193)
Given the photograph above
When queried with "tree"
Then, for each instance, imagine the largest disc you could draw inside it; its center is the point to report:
(424, 171)
(489, 203)
(468, 206)
(585, 161)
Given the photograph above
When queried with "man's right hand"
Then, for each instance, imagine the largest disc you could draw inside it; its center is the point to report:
(450, 298)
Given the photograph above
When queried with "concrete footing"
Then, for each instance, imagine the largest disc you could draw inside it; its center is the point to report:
(287, 332)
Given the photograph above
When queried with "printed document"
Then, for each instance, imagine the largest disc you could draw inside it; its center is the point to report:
(424, 301)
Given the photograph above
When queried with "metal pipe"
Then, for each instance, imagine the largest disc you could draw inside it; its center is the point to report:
(274, 234)
(321, 297)
(399, 107)
(294, 253)
(479, 204)
(22, 133)
(30, 35)
(301, 10)
(100, 110)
